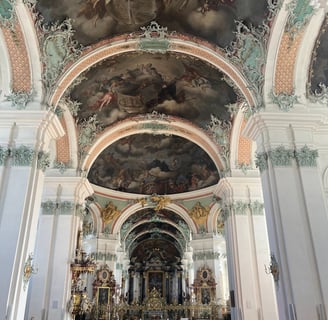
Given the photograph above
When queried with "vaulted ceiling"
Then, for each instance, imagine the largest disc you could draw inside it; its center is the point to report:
(153, 89)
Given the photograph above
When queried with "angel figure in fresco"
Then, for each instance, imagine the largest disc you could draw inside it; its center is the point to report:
(107, 97)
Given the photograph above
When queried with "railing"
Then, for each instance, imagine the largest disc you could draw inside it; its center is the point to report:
(168, 311)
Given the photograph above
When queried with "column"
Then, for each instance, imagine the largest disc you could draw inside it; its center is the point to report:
(251, 289)
(58, 228)
(24, 156)
(287, 155)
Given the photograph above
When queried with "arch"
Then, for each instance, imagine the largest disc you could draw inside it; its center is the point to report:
(185, 46)
(32, 45)
(130, 127)
(145, 221)
(305, 54)
(5, 67)
(127, 212)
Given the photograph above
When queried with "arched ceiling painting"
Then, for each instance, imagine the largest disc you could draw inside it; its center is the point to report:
(319, 71)
(153, 164)
(143, 231)
(139, 83)
(213, 20)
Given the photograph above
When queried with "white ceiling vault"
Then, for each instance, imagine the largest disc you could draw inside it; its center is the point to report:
(153, 95)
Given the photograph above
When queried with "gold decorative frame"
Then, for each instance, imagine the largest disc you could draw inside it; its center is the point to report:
(103, 296)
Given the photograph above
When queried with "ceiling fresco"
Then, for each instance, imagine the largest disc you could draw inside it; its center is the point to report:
(149, 248)
(138, 83)
(151, 216)
(319, 72)
(213, 20)
(153, 164)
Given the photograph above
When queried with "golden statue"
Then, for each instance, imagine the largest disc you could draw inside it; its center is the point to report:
(160, 201)
(199, 213)
(109, 213)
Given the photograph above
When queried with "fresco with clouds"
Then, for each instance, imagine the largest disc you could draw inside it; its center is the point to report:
(153, 164)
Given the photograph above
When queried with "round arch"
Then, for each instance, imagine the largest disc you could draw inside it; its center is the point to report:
(186, 46)
(129, 127)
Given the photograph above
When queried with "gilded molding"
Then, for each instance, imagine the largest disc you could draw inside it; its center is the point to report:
(109, 213)
(284, 101)
(156, 201)
(29, 269)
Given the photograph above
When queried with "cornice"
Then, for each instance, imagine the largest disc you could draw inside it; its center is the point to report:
(263, 121)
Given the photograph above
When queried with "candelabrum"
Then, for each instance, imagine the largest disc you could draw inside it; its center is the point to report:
(29, 269)
(273, 268)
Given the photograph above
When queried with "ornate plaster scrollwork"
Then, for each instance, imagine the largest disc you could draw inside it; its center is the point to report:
(248, 52)
(244, 167)
(7, 14)
(22, 156)
(261, 161)
(284, 101)
(300, 12)
(62, 166)
(320, 95)
(43, 160)
(4, 153)
(206, 255)
(52, 207)
(58, 48)
(306, 157)
(88, 129)
(19, 99)
(282, 157)
(220, 131)
(154, 38)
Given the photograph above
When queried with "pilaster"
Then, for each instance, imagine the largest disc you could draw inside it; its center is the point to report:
(60, 220)
(24, 142)
(287, 156)
(251, 289)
